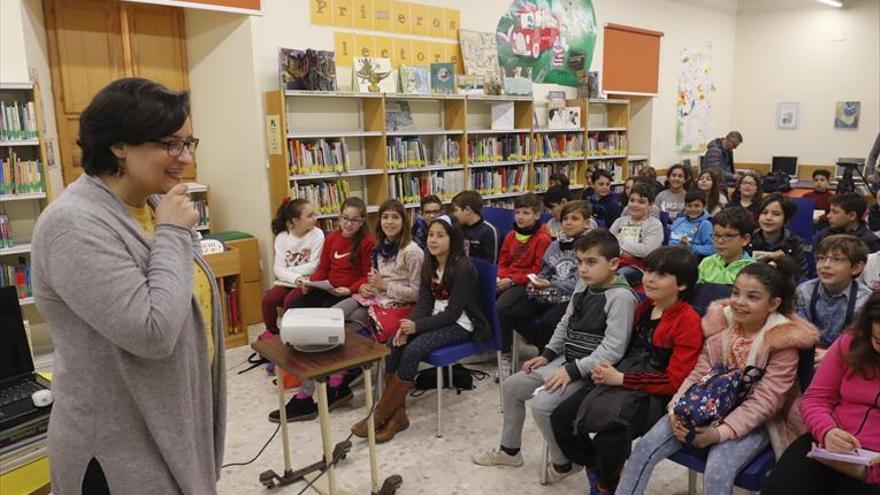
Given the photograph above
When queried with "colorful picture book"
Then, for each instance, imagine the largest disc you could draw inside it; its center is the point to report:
(564, 118)
(518, 81)
(373, 75)
(310, 70)
(415, 79)
(471, 85)
(398, 116)
(443, 78)
(318, 156)
(479, 52)
(411, 187)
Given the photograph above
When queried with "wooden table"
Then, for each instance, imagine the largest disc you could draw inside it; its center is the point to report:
(356, 351)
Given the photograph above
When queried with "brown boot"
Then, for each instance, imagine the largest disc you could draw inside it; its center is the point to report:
(392, 399)
(396, 424)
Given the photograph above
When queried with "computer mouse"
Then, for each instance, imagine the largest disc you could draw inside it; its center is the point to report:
(42, 398)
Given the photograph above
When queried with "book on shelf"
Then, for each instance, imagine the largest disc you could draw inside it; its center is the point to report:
(201, 206)
(500, 148)
(517, 81)
(502, 115)
(556, 99)
(19, 276)
(19, 120)
(544, 171)
(445, 151)
(564, 117)
(6, 240)
(327, 197)
(310, 70)
(32, 428)
(415, 79)
(23, 452)
(404, 152)
(634, 167)
(500, 180)
(19, 176)
(613, 168)
(606, 143)
(319, 156)
(398, 116)
(411, 187)
(443, 78)
(470, 85)
(588, 84)
(561, 145)
(373, 75)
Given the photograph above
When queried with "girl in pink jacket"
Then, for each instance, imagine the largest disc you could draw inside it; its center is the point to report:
(757, 326)
(841, 410)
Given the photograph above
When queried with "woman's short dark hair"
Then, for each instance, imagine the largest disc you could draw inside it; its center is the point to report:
(132, 110)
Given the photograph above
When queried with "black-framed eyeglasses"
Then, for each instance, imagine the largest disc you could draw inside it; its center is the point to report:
(175, 147)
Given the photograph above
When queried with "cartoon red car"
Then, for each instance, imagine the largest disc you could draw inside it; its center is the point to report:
(536, 31)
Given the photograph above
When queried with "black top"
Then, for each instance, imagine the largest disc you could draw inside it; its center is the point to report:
(789, 243)
(462, 290)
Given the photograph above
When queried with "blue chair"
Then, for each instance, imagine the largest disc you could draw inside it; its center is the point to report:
(501, 218)
(704, 294)
(447, 356)
(752, 477)
(802, 224)
(664, 219)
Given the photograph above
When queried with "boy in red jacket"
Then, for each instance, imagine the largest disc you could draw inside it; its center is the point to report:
(521, 255)
(630, 396)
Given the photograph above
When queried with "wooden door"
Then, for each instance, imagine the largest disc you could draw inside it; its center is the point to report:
(93, 42)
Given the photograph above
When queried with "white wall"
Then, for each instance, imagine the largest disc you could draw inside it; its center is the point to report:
(13, 61)
(813, 54)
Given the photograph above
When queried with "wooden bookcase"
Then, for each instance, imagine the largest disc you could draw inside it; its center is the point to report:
(24, 208)
(227, 270)
(359, 118)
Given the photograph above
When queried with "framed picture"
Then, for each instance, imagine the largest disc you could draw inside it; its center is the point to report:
(846, 116)
(787, 115)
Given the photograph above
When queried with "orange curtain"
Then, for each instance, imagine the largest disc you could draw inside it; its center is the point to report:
(631, 60)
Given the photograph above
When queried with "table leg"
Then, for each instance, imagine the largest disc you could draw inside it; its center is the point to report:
(371, 428)
(323, 414)
(282, 410)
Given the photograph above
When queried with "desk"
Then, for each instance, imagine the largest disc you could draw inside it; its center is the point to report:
(357, 351)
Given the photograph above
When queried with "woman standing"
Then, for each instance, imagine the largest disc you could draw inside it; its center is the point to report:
(133, 308)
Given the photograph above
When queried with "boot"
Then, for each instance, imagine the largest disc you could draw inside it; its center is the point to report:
(392, 399)
(397, 423)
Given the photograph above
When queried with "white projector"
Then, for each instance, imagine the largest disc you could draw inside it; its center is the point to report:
(313, 329)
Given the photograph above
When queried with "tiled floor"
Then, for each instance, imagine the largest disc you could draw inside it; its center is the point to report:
(428, 465)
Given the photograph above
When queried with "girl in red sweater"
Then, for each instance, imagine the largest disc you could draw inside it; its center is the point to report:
(841, 410)
(630, 396)
(345, 263)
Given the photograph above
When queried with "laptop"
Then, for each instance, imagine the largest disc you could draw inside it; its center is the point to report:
(17, 378)
(786, 164)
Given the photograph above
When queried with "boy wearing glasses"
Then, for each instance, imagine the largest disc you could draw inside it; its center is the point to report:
(432, 207)
(731, 231)
(832, 299)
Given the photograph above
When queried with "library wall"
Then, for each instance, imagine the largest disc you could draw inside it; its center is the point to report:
(815, 55)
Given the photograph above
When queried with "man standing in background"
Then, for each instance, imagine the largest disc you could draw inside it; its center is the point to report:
(719, 153)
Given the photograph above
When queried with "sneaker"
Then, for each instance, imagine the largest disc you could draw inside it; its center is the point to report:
(298, 409)
(554, 476)
(498, 457)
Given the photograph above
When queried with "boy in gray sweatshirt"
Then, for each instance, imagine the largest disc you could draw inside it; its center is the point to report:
(595, 328)
(638, 232)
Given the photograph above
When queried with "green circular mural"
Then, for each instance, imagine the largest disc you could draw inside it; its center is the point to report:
(554, 39)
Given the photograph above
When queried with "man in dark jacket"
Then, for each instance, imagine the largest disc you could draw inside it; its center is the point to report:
(719, 152)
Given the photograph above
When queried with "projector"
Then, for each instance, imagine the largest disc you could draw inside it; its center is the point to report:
(313, 329)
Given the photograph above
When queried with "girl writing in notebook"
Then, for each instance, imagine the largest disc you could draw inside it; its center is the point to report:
(298, 246)
(841, 410)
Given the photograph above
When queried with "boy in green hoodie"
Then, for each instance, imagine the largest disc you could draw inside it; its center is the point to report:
(732, 231)
(595, 328)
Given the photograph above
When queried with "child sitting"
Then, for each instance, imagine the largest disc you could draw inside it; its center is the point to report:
(731, 232)
(846, 214)
(431, 208)
(595, 328)
(832, 299)
(772, 239)
(756, 327)
(603, 196)
(711, 182)
(480, 236)
(554, 199)
(747, 193)
(672, 199)
(821, 195)
(840, 413)
(630, 397)
(298, 246)
(559, 272)
(693, 229)
(637, 231)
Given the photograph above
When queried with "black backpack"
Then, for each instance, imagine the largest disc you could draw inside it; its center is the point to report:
(462, 379)
(776, 181)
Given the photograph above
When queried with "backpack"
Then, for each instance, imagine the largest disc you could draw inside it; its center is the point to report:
(462, 379)
(713, 397)
(776, 181)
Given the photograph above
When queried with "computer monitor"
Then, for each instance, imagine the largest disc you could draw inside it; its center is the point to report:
(15, 353)
(787, 164)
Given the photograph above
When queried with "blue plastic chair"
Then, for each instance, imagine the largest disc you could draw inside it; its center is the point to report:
(664, 219)
(704, 294)
(501, 218)
(447, 356)
(802, 224)
(752, 477)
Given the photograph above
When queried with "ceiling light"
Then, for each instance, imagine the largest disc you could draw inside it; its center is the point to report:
(833, 3)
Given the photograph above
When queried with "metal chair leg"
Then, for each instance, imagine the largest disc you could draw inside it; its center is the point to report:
(545, 463)
(514, 354)
(500, 383)
(692, 482)
(439, 402)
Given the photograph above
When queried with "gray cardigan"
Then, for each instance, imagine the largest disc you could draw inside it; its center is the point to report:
(133, 385)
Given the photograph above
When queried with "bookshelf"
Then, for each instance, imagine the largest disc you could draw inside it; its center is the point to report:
(227, 270)
(326, 146)
(24, 186)
(198, 193)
